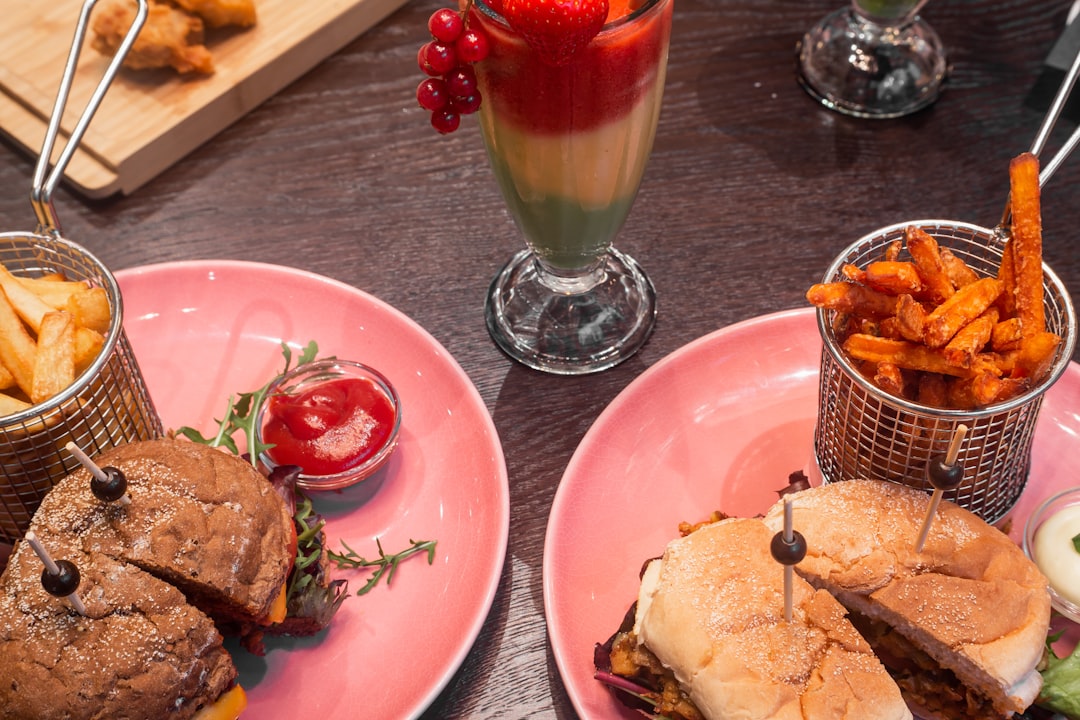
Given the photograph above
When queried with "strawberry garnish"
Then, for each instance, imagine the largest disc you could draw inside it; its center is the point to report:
(556, 29)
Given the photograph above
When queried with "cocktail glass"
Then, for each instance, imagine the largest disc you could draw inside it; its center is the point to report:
(873, 58)
(568, 145)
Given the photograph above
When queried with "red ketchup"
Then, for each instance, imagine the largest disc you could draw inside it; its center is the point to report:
(328, 428)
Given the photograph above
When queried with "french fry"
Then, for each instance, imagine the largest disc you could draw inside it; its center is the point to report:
(971, 339)
(29, 306)
(966, 304)
(1026, 243)
(849, 297)
(90, 309)
(926, 255)
(52, 289)
(10, 405)
(978, 390)
(7, 380)
(904, 354)
(17, 348)
(88, 345)
(54, 363)
(892, 251)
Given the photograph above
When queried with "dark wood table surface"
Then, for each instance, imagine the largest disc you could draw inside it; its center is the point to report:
(751, 190)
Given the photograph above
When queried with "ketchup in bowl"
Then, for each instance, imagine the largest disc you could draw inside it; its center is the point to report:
(336, 419)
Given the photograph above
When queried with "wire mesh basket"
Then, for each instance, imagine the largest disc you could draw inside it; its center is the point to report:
(107, 405)
(864, 432)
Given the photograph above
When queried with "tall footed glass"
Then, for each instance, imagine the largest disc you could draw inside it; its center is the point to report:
(873, 59)
(568, 145)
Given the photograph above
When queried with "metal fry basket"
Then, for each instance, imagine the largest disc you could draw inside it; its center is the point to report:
(108, 404)
(864, 432)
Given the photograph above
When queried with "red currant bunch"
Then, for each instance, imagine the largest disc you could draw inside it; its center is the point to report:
(450, 89)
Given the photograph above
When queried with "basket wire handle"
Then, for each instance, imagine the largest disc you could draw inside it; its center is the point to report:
(1043, 135)
(41, 193)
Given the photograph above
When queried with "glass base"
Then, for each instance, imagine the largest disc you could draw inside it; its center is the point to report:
(570, 325)
(858, 67)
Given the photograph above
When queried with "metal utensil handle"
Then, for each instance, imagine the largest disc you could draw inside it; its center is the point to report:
(41, 193)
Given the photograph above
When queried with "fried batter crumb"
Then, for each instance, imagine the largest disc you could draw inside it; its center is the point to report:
(170, 37)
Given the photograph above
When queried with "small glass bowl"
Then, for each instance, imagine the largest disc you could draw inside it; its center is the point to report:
(1048, 508)
(308, 375)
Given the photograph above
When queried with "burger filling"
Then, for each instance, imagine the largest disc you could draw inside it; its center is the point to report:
(921, 679)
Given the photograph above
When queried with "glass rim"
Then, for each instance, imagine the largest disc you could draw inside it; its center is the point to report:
(645, 7)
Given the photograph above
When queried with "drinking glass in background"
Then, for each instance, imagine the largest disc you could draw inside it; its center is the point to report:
(568, 145)
(874, 59)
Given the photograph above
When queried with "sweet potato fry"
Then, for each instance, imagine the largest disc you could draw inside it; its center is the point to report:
(927, 258)
(54, 363)
(911, 318)
(958, 271)
(932, 390)
(903, 354)
(979, 390)
(1006, 302)
(1035, 356)
(892, 251)
(971, 339)
(1026, 243)
(890, 378)
(1005, 335)
(847, 297)
(966, 304)
(894, 278)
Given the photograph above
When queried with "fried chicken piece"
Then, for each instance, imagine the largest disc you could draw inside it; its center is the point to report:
(221, 13)
(170, 37)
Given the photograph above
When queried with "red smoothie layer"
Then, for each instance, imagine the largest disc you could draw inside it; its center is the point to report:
(595, 88)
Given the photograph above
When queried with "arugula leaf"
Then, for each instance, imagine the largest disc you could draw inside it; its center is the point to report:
(242, 411)
(384, 565)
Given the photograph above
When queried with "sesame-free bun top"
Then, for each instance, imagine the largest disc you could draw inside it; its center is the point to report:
(199, 518)
(141, 651)
(971, 599)
(712, 610)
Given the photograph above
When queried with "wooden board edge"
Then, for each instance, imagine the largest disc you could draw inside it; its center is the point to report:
(95, 179)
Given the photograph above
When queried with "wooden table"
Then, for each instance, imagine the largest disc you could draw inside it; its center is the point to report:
(751, 190)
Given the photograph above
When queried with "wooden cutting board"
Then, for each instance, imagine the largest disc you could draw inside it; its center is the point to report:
(150, 119)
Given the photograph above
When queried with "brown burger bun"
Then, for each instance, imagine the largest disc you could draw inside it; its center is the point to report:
(712, 610)
(201, 519)
(141, 651)
(971, 600)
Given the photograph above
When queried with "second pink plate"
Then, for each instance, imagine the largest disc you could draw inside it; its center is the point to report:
(205, 330)
(717, 425)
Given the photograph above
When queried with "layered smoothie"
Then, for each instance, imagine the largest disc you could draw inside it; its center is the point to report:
(569, 144)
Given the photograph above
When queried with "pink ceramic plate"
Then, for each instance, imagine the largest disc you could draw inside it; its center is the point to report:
(204, 330)
(717, 425)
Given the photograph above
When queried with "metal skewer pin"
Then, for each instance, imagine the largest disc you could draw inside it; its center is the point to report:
(788, 548)
(944, 474)
(108, 484)
(59, 578)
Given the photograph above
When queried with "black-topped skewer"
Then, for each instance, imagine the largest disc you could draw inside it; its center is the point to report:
(943, 474)
(60, 578)
(788, 547)
(107, 483)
